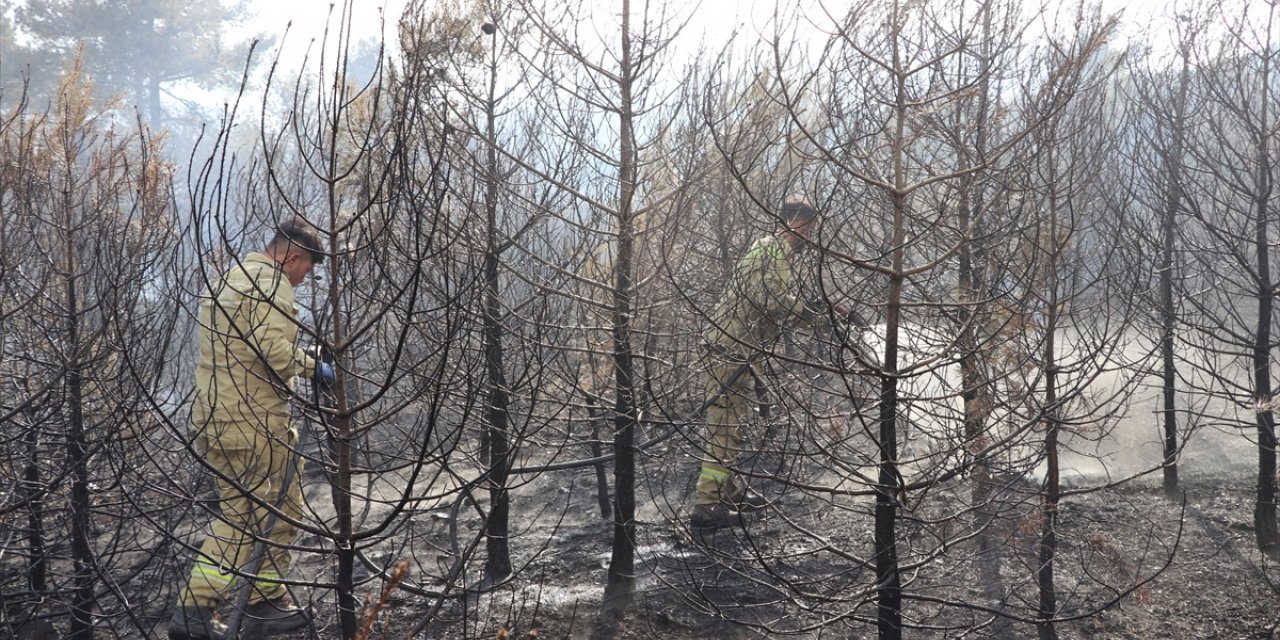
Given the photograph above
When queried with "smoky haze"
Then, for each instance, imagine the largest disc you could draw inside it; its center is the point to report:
(612, 320)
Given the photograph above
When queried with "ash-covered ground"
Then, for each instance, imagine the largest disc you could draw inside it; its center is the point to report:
(1131, 564)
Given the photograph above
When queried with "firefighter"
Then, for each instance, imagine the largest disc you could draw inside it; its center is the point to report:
(758, 302)
(248, 357)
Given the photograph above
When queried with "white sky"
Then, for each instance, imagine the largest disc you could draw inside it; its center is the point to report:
(711, 24)
(305, 20)
(715, 17)
(308, 16)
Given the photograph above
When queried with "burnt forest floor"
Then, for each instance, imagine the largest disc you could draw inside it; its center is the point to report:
(767, 579)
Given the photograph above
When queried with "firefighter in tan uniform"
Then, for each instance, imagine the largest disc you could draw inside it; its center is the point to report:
(758, 302)
(240, 422)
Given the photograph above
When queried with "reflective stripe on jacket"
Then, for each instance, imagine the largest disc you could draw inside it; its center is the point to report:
(247, 354)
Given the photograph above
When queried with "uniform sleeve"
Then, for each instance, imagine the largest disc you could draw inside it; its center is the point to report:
(274, 330)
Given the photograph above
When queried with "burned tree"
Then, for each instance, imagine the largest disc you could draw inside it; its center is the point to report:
(89, 212)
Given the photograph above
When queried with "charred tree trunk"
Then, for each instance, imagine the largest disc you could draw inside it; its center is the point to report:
(1048, 544)
(33, 495)
(83, 601)
(497, 566)
(1047, 547)
(597, 451)
(1264, 514)
(888, 486)
(889, 481)
(1173, 203)
(621, 581)
(344, 543)
(976, 392)
(976, 400)
(342, 436)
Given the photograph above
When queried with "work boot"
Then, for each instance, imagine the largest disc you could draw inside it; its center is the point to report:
(746, 501)
(706, 517)
(196, 623)
(274, 616)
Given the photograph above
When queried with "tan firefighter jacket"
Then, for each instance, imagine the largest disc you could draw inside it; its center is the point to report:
(248, 358)
(759, 301)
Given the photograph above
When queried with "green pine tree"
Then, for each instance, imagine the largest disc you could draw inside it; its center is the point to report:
(145, 49)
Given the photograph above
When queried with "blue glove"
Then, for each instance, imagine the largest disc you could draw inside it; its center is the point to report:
(324, 373)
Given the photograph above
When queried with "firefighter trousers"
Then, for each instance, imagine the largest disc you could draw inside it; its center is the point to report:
(249, 478)
(734, 382)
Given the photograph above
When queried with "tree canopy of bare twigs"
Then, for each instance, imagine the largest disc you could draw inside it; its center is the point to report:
(530, 212)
